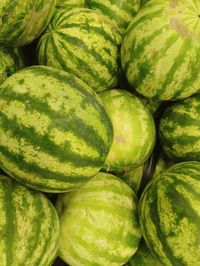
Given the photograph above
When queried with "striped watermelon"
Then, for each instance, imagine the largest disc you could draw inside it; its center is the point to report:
(179, 130)
(11, 59)
(134, 130)
(143, 257)
(99, 223)
(23, 21)
(161, 49)
(84, 43)
(29, 228)
(55, 133)
(70, 3)
(170, 215)
(120, 12)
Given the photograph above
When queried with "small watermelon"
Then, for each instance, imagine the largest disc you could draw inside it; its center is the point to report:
(99, 223)
(134, 130)
(170, 215)
(120, 12)
(160, 51)
(179, 130)
(84, 43)
(29, 229)
(55, 132)
(11, 60)
(21, 22)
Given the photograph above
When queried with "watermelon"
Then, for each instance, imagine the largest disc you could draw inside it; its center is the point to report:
(29, 230)
(161, 48)
(170, 215)
(84, 43)
(143, 257)
(55, 132)
(120, 12)
(179, 130)
(21, 22)
(134, 130)
(70, 3)
(99, 223)
(11, 59)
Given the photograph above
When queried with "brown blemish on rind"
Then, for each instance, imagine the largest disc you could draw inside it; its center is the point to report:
(180, 28)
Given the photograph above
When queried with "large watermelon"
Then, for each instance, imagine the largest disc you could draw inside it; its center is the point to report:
(23, 21)
(84, 43)
(161, 49)
(55, 133)
(29, 227)
(134, 130)
(99, 223)
(11, 59)
(170, 215)
(120, 12)
(179, 130)
(70, 3)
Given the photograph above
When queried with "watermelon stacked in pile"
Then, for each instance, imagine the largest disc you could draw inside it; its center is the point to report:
(99, 133)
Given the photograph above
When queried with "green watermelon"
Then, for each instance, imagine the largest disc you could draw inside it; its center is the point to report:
(23, 21)
(170, 215)
(161, 49)
(29, 229)
(99, 223)
(84, 43)
(11, 59)
(134, 130)
(55, 133)
(70, 3)
(120, 12)
(143, 257)
(179, 130)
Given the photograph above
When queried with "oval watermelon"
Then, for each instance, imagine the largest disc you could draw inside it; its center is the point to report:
(161, 48)
(179, 130)
(21, 22)
(29, 228)
(55, 133)
(170, 215)
(99, 223)
(134, 130)
(120, 12)
(84, 43)
(11, 60)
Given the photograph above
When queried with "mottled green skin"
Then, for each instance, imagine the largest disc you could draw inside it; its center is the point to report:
(169, 211)
(120, 12)
(29, 228)
(55, 132)
(161, 48)
(70, 3)
(179, 130)
(11, 60)
(84, 43)
(99, 223)
(134, 130)
(21, 22)
(143, 257)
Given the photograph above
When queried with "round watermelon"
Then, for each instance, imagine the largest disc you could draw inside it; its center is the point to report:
(179, 130)
(161, 48)
(84, 43)
(99, 223)
(29, 229)
(11, 60)
(55, 132)
(143, 257)
(21, 22)
(134, 130)
(170, 215)
(120, 12)
(70, 3)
